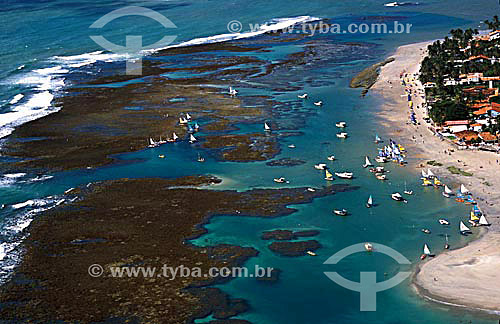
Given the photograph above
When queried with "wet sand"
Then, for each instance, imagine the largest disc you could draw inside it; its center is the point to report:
(466, 277)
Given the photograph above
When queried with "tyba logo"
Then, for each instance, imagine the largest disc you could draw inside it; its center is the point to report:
(133, 43)
(368, 285)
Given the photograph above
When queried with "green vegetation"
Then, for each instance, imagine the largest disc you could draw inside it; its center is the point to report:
(434, 163)
(449, 61)
(455, 170)
(368, 77)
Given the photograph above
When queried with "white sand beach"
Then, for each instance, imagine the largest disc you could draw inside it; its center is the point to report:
(469, 276)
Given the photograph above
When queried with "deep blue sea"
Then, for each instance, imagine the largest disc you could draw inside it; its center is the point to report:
(44, 42)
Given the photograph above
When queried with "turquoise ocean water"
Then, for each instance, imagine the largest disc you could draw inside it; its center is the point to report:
(47, 42)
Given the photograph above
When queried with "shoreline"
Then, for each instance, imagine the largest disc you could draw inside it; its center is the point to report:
(463, 277)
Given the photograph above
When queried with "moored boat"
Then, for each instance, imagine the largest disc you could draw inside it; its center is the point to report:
(397, 196)
(369, 203)
(340, 212)
(328, 175)
(464, 230)
(368, 247)
(344, 175)
(342, 135)
(367, 162)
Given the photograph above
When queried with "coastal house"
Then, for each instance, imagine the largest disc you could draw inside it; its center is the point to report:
(487, 137)
(450, 82)
(429, 85)
(456, 126)
(470, 78)
(476, 127)
(494, 35)
(479, 58)
(467, 136)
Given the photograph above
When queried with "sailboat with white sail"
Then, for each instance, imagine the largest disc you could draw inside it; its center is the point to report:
(266, 127)
(464, 190)
(447, 191)
(427, 252)
(174, 137)
(367, 162)
(430, 174)
(152, 143)
(183, 121)
(192, 139)
(188, 116)
(464, 230)
(369, 203)
(483, 221)
(377, 139)
(424, 174)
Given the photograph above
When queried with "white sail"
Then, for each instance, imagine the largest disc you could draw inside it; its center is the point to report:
(188, 116)
(367, 161)
(192, 138)
(151, 141)
(427, 251)
(182, 120)
(328, 175)
(463, 190)
(370, 200)
(424, 175)
(447, 190)
(266, 127)
(483, 221)
(463, 227)
(429, 173)
(174, 136)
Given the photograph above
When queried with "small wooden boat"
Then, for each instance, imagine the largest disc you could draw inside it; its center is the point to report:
(232, 92)
(369, 203)
(344, 175)
(320, 166)
(464, 230)
(342, 135)
(367, 162)
(328, 175)
(340, 212)
(443, 221)
(397, 196)
(427, 252)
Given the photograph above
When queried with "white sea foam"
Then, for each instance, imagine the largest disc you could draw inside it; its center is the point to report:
(16, 98)
(273, 25)
(32, 202)
(76, 61)
(9, 179)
